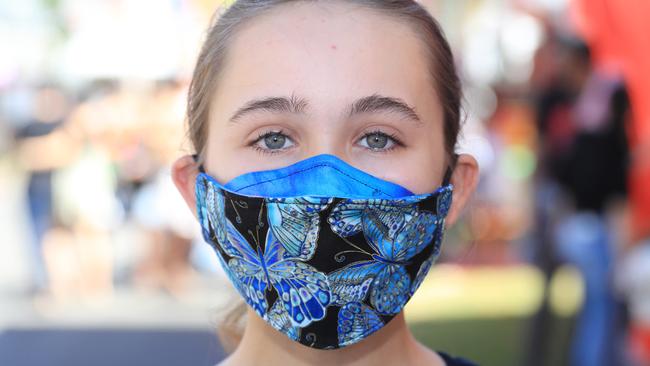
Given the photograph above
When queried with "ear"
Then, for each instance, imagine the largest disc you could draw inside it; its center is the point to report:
(465, 179)
(184, 173)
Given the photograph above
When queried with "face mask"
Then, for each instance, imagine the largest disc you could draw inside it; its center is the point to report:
(322, 251)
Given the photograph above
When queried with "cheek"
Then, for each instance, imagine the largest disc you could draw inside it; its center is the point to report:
(421, 168)
(224, 160)
(421, 173)
(227, 157)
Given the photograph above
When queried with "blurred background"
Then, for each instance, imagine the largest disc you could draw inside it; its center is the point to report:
(102, 263)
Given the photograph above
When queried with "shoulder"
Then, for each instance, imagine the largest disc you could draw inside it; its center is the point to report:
(455, 361)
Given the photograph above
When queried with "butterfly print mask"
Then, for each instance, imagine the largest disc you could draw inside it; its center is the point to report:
(322, 251)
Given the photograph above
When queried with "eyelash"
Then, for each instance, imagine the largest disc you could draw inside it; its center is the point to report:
(397, 142)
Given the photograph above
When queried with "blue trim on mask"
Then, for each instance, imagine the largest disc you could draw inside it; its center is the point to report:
(319, 176)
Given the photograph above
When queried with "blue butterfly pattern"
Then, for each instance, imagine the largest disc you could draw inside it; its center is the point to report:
(443, 205)
(396, 231)
(295, 223)
(212, 210)
(355, 322)
(280, 320)
(302, 290)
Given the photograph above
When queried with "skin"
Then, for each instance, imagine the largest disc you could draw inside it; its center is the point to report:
(329, 55)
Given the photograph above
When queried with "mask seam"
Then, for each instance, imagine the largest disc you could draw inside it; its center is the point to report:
(405, 204)
(312, 167)
(220, 191)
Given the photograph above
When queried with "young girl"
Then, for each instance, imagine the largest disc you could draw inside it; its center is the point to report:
(325, 166)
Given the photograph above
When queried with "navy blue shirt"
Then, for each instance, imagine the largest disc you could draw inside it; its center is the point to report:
(455, 361)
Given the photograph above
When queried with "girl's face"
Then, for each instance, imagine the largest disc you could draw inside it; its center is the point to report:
(328, 78)
(312, 79)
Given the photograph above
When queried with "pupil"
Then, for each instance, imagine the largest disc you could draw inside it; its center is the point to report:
(377, 141)
(274, 141)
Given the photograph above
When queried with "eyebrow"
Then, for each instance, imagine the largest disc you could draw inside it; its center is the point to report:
(374, 103)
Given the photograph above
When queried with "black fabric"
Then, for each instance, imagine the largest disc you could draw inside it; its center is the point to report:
(597, 163)
(455, 361)
(592, 166)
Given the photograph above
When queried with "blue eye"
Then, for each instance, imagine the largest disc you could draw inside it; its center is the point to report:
(273, 142)
(376, 141)
(379, 141)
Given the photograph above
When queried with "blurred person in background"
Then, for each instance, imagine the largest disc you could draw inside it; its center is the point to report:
(44, 146)
(633, 280)
(80, 249)
(157, 206)
(582, 116)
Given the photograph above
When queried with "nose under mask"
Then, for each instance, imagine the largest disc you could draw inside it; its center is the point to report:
(325, 253)
(322, 175)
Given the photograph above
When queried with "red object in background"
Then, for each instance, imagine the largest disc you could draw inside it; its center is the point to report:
(618, 33)
(640, 341)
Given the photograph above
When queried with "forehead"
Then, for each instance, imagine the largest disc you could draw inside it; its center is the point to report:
(335, 50)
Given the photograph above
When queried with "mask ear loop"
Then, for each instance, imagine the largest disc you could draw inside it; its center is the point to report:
(447, 179)
(450, 170)
(196, 159)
